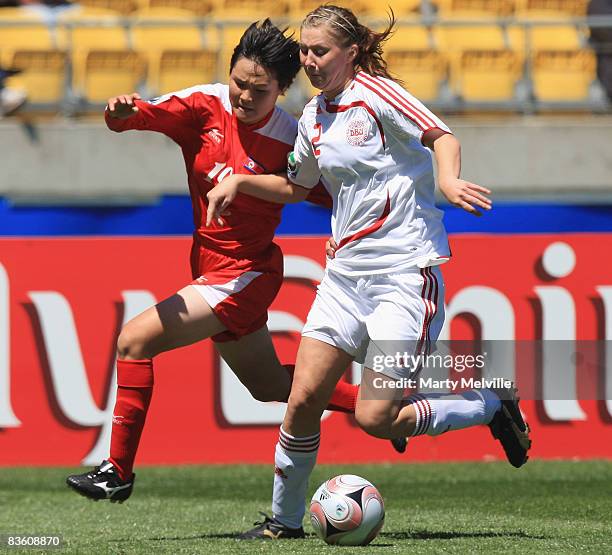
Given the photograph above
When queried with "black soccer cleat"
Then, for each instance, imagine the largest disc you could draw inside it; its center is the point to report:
(271, 529)
(103, 482)
(509, 427)
(400, 444)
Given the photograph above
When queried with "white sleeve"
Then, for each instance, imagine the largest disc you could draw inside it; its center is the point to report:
(302, 166)
(406, 115)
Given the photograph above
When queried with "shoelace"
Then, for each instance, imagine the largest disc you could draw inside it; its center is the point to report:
(267, 519)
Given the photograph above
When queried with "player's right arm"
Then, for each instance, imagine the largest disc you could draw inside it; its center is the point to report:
(271, 187)
(177, 115)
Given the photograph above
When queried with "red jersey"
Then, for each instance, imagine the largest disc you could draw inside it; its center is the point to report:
(216, 144)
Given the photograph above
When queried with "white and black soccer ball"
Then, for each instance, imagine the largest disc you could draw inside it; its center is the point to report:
(347, 510)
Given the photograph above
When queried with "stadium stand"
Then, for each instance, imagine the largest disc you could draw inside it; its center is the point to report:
(451, 53)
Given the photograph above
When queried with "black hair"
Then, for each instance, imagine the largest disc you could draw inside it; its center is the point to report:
(265, 44)
(344, 25)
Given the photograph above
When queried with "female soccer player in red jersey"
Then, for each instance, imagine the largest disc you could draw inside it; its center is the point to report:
(237, 269)
(372, 143)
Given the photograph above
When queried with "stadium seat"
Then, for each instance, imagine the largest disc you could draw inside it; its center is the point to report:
(562, 75)
(159, 29)
(43, 74)
(410, 34)
(478, 8)
(422, 71)
(486, 75)
(20, 30)
(250, 10)
(560, 33)
(108, 73)
(569, 7)
(195, 7)
(463, 34)
(179, 69)
(121, 7)
(81, 31)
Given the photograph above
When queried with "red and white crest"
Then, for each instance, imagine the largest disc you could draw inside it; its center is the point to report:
(357, 132)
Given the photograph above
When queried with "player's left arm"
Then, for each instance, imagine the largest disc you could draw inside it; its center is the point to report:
(461, 193)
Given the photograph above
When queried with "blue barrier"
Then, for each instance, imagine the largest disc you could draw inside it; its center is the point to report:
(172, 216)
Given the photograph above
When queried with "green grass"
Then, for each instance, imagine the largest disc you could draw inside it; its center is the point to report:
(546, 507)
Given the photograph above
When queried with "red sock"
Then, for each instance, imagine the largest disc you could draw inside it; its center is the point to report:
(344, 397)
(134, 389)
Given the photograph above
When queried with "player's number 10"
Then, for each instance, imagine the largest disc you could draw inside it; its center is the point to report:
(219, 175)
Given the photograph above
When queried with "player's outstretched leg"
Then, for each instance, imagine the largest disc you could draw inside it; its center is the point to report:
(103, 482)
(271, 529)
(509, 427)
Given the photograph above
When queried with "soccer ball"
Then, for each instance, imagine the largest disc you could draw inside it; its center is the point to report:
(347, 510)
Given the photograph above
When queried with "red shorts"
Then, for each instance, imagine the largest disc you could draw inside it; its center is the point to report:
(239, 291)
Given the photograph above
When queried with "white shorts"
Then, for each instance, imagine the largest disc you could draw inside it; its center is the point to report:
(350, 312)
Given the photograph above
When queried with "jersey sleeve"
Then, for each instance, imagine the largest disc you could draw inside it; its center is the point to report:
(177, 115)
(406, 116)
(302, 167)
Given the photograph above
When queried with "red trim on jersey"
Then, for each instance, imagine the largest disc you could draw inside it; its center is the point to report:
(258, 124)
(333, 109)
(368, 230)
(401, 104)
(429, 294)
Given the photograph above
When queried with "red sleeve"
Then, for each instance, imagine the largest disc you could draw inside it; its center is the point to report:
(319, 195)
(174, 116)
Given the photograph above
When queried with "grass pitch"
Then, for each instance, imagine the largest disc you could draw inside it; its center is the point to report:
(546, 507)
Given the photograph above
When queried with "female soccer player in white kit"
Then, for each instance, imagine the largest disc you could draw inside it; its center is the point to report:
(369, 141)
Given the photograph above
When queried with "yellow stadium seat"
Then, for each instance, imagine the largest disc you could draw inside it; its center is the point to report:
(179, 69)
(122, 7)
(195, 7)
(92, 28)
(568, 7)
(43, 74)
(486, 75)
(409, 37)
(250, 10)
(109, 73)
(563, 76)
(498, 8)
(421, 71)
(88, 29)
(158, 29)
(19, 30)
(461, 34)
(559, 33)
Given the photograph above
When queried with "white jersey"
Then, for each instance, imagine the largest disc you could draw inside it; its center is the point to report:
(366, 146)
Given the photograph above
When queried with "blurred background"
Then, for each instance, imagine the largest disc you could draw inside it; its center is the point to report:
(95, 226)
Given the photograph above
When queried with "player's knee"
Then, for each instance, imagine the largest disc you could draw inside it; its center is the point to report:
(377, 423)
(305, 402)
(132, 344)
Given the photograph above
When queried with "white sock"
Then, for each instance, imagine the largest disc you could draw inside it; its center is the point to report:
(294, 460)
(437, 413)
